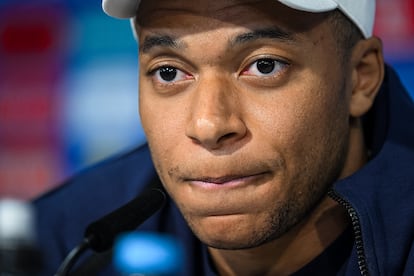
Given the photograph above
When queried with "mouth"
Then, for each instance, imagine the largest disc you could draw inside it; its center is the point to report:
(228, 180)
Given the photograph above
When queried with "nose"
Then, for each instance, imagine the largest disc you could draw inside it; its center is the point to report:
(215, 118)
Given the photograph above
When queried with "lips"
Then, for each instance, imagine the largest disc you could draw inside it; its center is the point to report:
(221, 174)
(228, 179)
(229, 194)
(224, 179)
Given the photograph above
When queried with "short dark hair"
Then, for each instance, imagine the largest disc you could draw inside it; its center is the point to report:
(345, 32)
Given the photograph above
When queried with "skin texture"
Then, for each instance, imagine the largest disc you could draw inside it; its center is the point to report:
(249, 156)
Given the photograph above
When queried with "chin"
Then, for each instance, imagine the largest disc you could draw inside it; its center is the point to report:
(237, 242)
(234, 232)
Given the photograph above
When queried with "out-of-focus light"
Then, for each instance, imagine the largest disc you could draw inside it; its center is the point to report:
(23, 38)
(148, 254)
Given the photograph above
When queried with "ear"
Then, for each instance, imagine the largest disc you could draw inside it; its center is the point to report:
(367, 74)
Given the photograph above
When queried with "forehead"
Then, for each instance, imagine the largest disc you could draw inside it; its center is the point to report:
(185, 15)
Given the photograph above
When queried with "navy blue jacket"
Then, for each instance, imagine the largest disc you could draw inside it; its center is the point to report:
(379, 198)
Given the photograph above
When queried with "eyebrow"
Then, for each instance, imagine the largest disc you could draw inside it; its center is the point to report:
(273, 33)
(153, 41)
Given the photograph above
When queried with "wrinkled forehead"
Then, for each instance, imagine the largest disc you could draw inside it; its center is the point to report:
(196, 6)
(361, 12)
(185, 15)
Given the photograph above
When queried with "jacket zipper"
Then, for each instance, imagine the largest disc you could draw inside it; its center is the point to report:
(356, 226)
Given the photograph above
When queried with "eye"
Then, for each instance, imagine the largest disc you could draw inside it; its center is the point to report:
(265, 67)
(168, 74)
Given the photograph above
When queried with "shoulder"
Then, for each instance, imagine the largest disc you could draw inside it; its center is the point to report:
(100, 188)
(382, 192)
(66, 210)
(121, 174)
(64, 213)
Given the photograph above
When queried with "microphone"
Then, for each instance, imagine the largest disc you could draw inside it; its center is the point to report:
(19, 254)
(100, 235)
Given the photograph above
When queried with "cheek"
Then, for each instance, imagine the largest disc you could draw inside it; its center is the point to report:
(304, 123)
(163, 127)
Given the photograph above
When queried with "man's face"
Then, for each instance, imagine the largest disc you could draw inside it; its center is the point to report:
(246, 109)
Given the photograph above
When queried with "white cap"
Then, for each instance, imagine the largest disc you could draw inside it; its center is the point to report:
(361, 12)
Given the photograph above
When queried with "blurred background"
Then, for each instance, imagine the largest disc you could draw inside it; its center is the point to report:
(68, 86)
